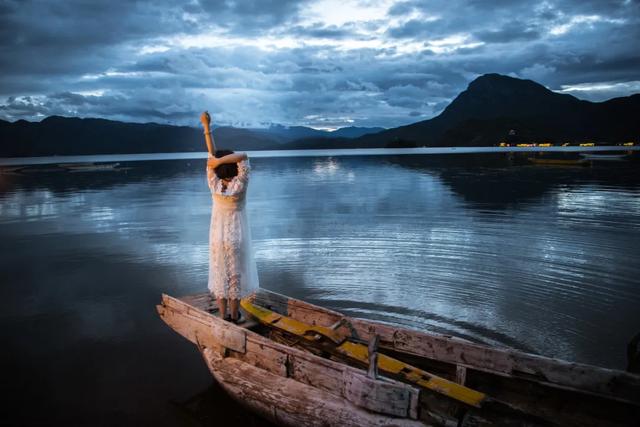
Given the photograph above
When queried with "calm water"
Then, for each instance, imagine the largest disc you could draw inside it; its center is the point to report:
(540, 259)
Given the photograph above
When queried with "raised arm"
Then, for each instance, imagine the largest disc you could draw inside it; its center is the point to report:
(239, 182)
(214, 162)
(205, 118)
(232, 158)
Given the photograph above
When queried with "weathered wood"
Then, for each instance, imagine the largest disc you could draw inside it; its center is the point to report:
(376, 395)
(200, 327)
(265, 357)
(358, 354)
(383, 395)
(180, 305)
(461, 374)
(270, 300)
(206, 330)
(500, 361)
(546, 387)
(373, 356)
(203, 301)
(288, 402)
(578, 377)
(563, 407)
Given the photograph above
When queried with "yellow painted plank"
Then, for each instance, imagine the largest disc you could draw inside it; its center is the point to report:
(360, 353)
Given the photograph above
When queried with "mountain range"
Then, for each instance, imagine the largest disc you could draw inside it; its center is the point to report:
(56, 135)
(493, 105)
(493, 108)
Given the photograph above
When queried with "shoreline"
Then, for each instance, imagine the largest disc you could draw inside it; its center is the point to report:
(102, 158)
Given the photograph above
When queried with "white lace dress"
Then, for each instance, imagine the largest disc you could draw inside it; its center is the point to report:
(232, 268)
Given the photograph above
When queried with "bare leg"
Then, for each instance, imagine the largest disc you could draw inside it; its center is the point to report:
(234, 308)
(222, 307)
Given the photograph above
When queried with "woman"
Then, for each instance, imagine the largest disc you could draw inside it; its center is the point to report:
(232, 269)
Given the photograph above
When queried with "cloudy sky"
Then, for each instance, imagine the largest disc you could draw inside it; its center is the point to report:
(320, 63)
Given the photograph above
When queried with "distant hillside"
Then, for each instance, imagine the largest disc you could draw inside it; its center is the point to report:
(292, 133)
(493, 104)
(73, 136)
(353, 132)
(481, 115)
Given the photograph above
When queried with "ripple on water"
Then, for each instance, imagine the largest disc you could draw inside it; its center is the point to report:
(543, 260)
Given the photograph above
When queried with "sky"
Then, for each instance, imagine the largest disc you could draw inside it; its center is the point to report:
(319, 63)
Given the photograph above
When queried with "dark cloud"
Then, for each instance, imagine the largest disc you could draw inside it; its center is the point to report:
(411, 29)
(513, 31)
(325, 31)
(401, 8)
(277, 61)
(250, 16)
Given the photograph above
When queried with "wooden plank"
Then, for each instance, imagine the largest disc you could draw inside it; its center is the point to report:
(358, 353)
(201, 300)
(373, 356)
(399, 399)
(376, 396)
(291, 403)
(265, 357)
(552, 372)
(332, 377)
(564, 408)
(232, 338)
(325, 376)
(205, 331)
(294, 308)
(181, 306)
(579, 410)
(271, 300)
(461, 374)
(306, 313)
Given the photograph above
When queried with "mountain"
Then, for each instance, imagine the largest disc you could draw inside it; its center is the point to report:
(354, 132)
(57, 135)
(493, 104)
(482, 115)
(72, 136)
(291, 133)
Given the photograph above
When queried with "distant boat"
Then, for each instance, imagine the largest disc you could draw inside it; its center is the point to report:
(13, 170)
(558, 162)
(605, 157)
(89, 167)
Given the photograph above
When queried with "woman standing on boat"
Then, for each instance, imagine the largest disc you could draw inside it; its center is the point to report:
(232, 268)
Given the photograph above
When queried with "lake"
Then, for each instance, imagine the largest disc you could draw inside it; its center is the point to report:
(541, 259)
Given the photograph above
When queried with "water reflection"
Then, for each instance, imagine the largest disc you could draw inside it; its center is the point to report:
(539, 259)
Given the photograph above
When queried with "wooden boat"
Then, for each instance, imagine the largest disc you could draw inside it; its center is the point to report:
(286, 364)
(605, 157)
(558, 162)
(90, 167)
(11, 170)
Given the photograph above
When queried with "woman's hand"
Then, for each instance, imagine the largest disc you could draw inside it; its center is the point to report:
(213, 162)
(205, 119)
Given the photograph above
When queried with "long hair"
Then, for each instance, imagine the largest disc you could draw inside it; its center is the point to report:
(227, 170)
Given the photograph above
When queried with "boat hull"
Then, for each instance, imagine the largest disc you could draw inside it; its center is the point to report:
(287, 385)
(287, 402)
(262, 371)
